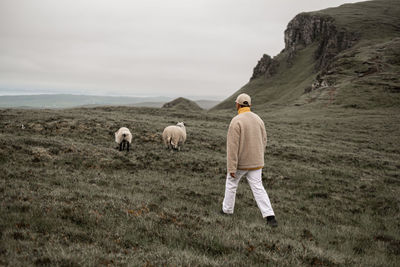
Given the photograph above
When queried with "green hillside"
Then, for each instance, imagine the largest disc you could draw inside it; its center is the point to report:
(374, 20)
(351, 50)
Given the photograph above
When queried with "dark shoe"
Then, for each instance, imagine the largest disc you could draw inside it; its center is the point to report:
(271, 221)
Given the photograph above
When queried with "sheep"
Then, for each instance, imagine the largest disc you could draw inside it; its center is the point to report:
(174, 136)
(123, 137)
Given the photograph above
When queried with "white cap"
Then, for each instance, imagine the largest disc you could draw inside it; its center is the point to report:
(243, 99)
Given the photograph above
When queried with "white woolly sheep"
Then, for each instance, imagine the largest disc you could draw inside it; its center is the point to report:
(174, 136)
(123, 137)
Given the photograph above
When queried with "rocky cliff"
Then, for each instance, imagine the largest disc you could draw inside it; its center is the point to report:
(305, 29)
(266, 67)
(343, 56)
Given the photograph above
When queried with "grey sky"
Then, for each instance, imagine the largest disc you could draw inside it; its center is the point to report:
(140, 48)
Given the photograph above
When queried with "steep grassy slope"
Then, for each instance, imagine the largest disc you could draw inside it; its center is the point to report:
(345, 56)
(69, 198)
(284, 87)
(364, 77)
(374, 21)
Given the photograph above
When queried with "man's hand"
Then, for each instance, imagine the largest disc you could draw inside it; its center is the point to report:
(232, 174)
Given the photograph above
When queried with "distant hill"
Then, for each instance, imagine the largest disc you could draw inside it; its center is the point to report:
(348, 56)
(207, 104)
(204, 104)
(67, 101)
(149, 104)
(182, 103)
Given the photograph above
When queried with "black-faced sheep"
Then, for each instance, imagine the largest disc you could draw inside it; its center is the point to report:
(174, 136)
(123, 137)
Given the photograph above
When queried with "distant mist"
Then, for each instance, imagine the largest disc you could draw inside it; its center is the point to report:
(69, 101)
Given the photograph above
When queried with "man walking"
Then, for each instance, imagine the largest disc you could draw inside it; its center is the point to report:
(246, 142)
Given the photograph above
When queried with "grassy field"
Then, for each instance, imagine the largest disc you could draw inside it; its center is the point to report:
(70, 198)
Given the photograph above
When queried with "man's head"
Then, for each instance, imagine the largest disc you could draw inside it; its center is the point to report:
(243, 100)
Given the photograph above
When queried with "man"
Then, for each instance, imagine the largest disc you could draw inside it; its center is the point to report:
(246, 142)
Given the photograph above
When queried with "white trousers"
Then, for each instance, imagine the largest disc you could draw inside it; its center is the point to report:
(259, 193)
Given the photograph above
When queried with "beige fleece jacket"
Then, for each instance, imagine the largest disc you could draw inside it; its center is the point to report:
(246, 142)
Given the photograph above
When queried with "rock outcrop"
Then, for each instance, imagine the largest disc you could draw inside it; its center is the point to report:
(303, 30)
(266, 67)
(307, 28)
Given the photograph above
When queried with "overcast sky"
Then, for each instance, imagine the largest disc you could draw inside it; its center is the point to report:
(140, 48)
